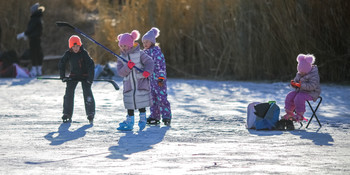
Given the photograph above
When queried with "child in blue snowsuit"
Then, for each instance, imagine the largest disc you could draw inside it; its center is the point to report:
(160, 104)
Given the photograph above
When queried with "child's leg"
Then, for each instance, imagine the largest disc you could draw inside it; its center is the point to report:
(289, 105)
(165, 109)
(155, 113)
(130, 112)
(142, 121)
(299, 102)
(68, 99)
(142, 110)
(289, 102)
(88, 99)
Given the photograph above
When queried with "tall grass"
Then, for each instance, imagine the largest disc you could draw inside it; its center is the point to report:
(238, 39)
(217, 39)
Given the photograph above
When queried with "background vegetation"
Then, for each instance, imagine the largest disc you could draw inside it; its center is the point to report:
(215, 39)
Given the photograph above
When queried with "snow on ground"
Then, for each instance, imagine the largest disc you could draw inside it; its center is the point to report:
(207, 135)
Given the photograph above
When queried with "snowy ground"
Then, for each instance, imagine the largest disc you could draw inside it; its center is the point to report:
(207, 136)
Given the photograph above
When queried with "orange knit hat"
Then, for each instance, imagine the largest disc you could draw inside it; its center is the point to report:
(74, 40)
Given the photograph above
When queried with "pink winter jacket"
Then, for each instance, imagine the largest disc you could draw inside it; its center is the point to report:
(310, 83)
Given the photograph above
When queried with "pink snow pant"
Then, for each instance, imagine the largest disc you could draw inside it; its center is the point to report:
(296, 101)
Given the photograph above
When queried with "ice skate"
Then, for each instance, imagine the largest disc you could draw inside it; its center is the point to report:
(142, 122)
(152, 121)
(91, 119)
(67, 118)
(127, 125)
(167, 121)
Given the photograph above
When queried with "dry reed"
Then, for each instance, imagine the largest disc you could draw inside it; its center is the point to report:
(217, 39)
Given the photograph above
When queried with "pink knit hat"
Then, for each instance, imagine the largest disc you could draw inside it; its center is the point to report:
(305, 63)
(151, 35)
(128, 38)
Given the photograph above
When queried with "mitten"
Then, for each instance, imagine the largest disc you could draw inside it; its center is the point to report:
(294, 84)
(131, 64)
(145, 74)
(21, 35)
(160, 81)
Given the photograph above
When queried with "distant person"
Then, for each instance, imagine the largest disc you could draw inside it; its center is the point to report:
(9, 67)
(160, 105)
(306, 86)
(33, 32)
(81, 69)
(136, 93)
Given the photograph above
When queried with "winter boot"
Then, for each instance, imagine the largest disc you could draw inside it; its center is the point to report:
(289, 125)
(90, 118)
(288, 115)
(142, 122)
(152, 121)
(39, 71)
(128, 124)
(167, 121)
(33, 71)
(67, 118)
(281, 125)
(299, 117)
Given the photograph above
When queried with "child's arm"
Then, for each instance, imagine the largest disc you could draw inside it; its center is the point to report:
(90, 65)
(123, 70)
(147, 62)
(62, 65)
(161, 74)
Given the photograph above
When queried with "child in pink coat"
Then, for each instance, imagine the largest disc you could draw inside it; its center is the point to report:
(136, 84)
(306, 86)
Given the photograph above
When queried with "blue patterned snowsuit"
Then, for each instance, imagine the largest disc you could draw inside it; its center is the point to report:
(160, 104)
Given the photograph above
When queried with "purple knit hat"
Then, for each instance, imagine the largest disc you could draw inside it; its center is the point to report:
(151, 35)
(305, 63)
(128, 38)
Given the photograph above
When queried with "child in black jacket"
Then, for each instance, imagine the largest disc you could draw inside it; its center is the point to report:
(81, 69)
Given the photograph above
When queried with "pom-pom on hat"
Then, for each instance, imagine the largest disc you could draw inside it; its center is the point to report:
(305, 63)
(151, 35)
(74, 40)
(35, 7)
(128, 38)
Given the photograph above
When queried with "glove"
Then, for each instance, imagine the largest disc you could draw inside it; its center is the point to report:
(294, 84)
(131, 64)
(160, 81)
(65, 79)
(145, 74)
(21, 35)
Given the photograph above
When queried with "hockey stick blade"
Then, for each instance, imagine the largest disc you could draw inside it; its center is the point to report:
(64, 24)
(115, 85)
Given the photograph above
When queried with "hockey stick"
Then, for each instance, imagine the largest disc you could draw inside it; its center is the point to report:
(65, 24)
(115, 85)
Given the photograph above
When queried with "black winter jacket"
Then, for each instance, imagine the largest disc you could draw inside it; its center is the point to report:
(81, 65)
(35, 25)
